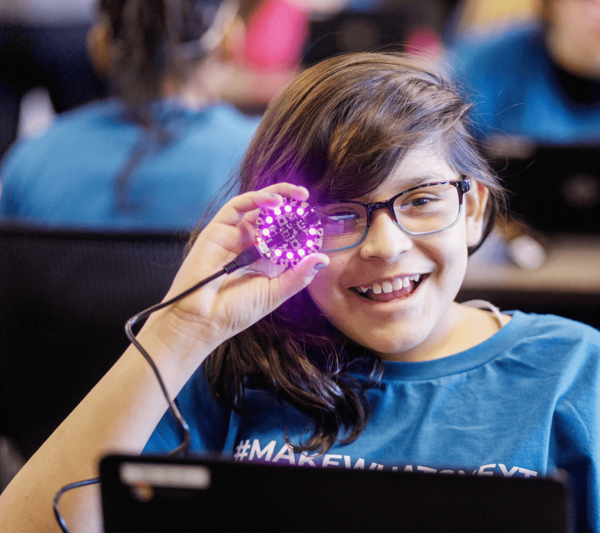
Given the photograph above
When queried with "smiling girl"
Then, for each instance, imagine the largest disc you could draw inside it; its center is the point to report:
(357, 357)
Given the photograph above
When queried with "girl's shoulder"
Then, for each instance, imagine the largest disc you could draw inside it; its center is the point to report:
(553, 339)
(558, 327)
(540, 343)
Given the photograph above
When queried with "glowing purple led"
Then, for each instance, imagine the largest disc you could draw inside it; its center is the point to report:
(280, 233)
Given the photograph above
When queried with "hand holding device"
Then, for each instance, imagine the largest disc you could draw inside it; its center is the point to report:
(276, 223)
(292, 233)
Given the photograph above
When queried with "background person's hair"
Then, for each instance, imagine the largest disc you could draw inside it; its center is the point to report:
(147, 37)
(151, 40)
(340, 129)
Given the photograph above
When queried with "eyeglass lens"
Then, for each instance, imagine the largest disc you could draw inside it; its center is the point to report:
(423, 210)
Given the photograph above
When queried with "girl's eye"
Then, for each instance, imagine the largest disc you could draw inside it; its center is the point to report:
(420, 201)
(339, 219)
(341, 215)
(337, 213)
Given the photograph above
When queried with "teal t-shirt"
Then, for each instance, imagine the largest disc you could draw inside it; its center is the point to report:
(523, 403)
(68, 176)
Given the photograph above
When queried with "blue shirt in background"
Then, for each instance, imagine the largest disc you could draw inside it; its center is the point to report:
(517, 88)
(66, 177)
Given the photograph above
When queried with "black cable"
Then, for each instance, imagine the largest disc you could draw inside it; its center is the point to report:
(183, 426)
(66, 488)
(247, 257)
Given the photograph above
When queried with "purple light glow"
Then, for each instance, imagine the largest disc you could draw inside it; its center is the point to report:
(289, 227)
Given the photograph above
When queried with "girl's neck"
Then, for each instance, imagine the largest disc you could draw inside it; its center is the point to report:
(469, 327)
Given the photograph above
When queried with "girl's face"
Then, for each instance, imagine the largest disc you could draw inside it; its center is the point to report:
(412, 322)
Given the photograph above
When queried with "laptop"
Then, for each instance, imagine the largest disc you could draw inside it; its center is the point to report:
(554, 189)
(153, 494)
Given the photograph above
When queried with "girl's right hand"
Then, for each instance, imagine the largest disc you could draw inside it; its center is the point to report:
(197, 324)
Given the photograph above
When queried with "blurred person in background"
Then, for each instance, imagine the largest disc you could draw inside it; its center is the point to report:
(342, 26)
(153, 157)
(43, 44)
(536, 78)
(532, 68)
(283, 37)
(270, 52)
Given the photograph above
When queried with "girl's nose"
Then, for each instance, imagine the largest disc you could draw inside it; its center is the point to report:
(385, 240)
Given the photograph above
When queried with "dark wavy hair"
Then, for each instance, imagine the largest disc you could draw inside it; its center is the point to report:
(339, 129)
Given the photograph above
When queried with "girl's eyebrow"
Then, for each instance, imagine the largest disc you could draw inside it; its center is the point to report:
(415, 181)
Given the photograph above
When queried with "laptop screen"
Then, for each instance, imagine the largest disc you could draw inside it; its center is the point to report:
(157, 494)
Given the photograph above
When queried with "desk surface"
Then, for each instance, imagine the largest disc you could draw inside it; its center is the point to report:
(572, 267)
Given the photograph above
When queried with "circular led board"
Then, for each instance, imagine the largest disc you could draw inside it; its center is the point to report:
(288, 233)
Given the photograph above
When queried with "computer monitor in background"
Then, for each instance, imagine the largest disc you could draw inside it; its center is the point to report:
(553, 188)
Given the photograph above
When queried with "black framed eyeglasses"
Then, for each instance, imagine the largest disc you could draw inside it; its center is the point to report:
(421, 210)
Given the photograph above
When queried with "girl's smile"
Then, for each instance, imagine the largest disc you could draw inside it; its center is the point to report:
(385, 291)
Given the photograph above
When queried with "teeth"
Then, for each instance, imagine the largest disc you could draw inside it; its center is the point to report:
(388, 286)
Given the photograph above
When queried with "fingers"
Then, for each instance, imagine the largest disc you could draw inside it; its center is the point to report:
(270, 197)
(295, 279)
(266, 267)
(232, 229)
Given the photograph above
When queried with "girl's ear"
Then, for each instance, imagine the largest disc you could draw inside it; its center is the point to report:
(475, 203)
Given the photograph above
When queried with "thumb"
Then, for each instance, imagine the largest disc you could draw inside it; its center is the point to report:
(295, 279)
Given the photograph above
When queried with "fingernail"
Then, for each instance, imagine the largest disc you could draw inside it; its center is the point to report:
(320, 266)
